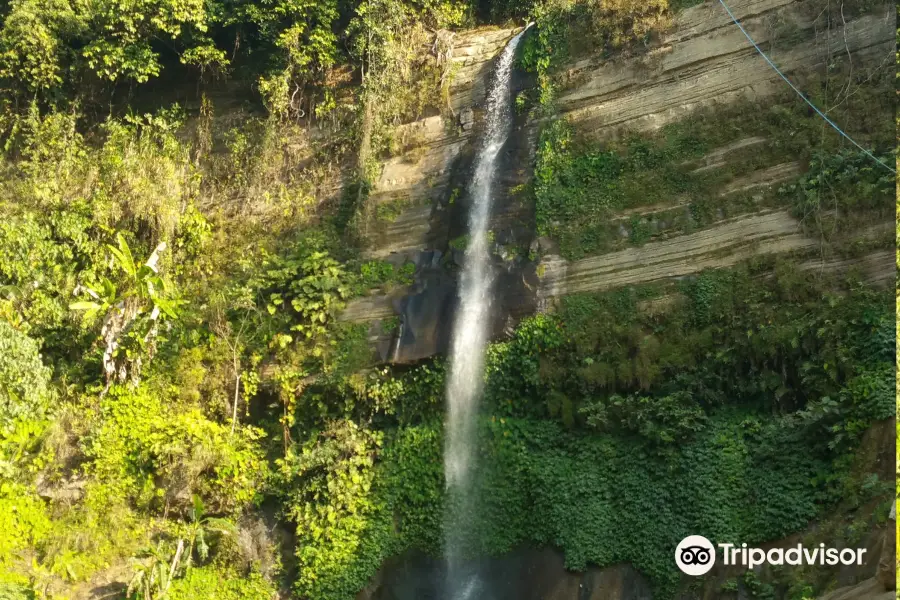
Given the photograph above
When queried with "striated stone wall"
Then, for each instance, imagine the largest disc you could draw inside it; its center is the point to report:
(703, 60)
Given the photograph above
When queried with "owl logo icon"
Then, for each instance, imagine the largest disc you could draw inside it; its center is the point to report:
(695, 555)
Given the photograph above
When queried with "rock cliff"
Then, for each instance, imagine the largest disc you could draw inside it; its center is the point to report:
(702, 61)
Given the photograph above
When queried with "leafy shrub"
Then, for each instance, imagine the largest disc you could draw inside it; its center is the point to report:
(664, 420)
(25, 403)
(845, 181)
(373, 509)
(328, 481)
(145, 173)
(147, 446)
(410, 397)
(36, 272)
(593, 427)
(207, 582)
(24, 523)
(572, 29)
(24, 380)
(314, 284)
(377, 273)
(99, 530)
(516, 370)
(44, 45)
(579, 185)
(600, 497)
(582, 186)
(15, 591)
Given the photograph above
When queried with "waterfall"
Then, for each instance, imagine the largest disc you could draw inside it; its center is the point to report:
(470, 332)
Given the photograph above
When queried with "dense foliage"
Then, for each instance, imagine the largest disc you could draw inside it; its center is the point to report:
(733, 414)
(68, 50)
(183, 219)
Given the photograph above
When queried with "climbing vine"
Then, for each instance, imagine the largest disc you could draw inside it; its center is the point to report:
(718, 415)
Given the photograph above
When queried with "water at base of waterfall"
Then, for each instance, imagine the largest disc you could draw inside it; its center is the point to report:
(467, 586)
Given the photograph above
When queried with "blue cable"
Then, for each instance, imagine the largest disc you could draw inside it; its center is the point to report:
(799, 93)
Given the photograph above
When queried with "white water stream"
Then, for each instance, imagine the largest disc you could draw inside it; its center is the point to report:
(470, 333)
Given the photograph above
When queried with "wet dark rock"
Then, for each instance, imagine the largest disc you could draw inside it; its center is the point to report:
(425, 314)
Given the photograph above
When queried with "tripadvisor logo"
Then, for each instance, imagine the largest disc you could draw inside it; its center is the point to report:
(696, 555)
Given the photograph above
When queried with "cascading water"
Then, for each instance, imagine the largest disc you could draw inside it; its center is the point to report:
(470, 333)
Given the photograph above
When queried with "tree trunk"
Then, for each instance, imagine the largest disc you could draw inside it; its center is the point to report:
(365, 149)
(234, 408)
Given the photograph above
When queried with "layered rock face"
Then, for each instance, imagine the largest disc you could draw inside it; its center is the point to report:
(703, 60)
(706, 59)
(424, 190)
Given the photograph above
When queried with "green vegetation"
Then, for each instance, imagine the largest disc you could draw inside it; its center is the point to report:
(380, 273)
(177, 359)
(593, 196)
(596, 197)
(567, 30)
(841, 192)
(208, 583)
(184, 216)
(734, 413)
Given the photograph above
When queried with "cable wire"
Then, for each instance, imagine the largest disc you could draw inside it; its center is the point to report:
(799, 93)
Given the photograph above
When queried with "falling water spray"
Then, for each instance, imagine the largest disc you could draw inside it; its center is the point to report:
(470, 333)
